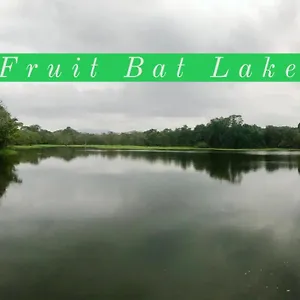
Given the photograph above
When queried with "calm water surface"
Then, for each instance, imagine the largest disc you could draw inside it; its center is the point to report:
(140, 225)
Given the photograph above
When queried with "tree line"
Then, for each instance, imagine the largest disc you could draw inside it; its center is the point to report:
(223, 132)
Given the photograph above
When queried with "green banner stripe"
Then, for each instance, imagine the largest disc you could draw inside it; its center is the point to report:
(145, 67)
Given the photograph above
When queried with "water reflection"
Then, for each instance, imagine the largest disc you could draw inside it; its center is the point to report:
(227, 166)
(8, 173)
(172, 235)
(222, 166)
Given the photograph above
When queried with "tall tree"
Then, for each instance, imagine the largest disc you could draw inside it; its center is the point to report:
(9, 127)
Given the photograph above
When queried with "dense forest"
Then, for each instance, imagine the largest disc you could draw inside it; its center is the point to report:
(223, 132)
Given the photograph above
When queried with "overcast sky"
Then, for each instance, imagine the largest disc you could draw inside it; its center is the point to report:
(149, 26)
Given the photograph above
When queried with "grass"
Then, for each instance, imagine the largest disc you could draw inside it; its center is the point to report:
(7, 152)
(122, 147)
(105, 147)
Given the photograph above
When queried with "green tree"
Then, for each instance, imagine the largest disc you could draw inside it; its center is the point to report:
(9, 127)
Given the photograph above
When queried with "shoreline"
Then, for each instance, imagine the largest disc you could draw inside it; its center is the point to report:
(8, 152)
(157, 148)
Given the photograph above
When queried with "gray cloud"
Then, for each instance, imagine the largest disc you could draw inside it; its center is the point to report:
(149, 26)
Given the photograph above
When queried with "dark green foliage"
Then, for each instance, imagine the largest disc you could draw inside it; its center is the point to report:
(8, 127)
(230, 132)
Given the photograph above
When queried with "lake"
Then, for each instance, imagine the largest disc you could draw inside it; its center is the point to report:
(78, 224)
